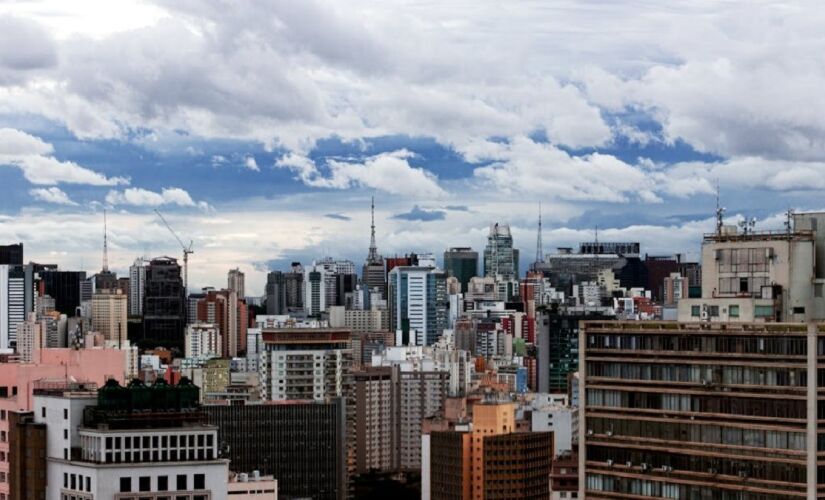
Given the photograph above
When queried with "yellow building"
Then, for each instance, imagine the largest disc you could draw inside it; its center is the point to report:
(110, 315)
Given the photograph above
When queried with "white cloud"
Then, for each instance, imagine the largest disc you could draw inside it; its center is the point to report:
(540, 169)
(390, 172)
(52, 195)
(140, 197)
(251, 164)
(33, 157)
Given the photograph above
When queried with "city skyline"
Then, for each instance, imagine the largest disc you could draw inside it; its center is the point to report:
(624, 117)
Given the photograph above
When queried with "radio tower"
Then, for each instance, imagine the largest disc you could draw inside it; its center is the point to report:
(539, 245)
(372, 257)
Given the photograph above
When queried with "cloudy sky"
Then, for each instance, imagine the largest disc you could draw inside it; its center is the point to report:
(262, 129)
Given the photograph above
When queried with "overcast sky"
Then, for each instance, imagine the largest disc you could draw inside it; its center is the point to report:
(262, 129)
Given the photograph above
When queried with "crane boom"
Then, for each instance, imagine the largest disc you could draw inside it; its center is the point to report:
(186, 252)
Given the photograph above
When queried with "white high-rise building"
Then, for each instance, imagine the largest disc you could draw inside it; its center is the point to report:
(29, 339)
(137, 284)
(12, 304)
(203, 340)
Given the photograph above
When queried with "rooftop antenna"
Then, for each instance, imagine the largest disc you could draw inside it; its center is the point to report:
(372, 257)
(720, 212)
(539, 244)
(789, 220)
(105, 245)
(747, 225)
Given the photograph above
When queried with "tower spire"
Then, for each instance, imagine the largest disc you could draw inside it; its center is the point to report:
(105, 244)
(373, 254)
(539, 243)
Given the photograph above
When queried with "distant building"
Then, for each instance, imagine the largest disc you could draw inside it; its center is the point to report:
(359, 321)
(418, 304)
(305, 363)
(276, 302)
(12, 303)
(11, 255)
(500, 258)
(675, 288)
(225, 310)
(110, 316)
(137, 285)
(302, 444)
(374, 417)
(373, 271)
(203, 340)
(462, 264)
(235, 281)
(164, 305)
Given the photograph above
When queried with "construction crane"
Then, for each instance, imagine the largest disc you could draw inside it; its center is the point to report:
(186, 252)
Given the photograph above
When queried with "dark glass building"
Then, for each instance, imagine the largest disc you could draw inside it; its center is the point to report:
(11, 254)
(64, 287)
(164, 305)
(461, 263)
(276, 293)
(557, 346)
(303, 444)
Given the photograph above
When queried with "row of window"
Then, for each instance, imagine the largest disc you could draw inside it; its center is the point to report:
(741, 375)
(690, 432)
(144, 483)
(724, 466)
(77, 482)
(777, 408)
(656, 489)
(793, 346)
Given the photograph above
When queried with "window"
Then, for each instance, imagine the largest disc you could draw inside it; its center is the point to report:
(799, 310)
(43, 412)
(200, 482)
(763, 311)
(181, 482)
(65, 414)
(163, 483)
(65, 433)
(733, 311)
(695, 311)
(145, 483)
(88, 484)
(126, 485)
(713, 311)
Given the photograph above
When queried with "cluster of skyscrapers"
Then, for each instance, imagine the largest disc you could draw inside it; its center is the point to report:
(598, 372)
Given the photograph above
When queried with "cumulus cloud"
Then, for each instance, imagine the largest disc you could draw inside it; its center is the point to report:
(140, 197)
(25, 46)
(390, 172)
(421, 214)
(33, 157)
(541, 169)
(251, 164)
(52, 195)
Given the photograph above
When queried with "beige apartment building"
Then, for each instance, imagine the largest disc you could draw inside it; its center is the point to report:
(110, 314)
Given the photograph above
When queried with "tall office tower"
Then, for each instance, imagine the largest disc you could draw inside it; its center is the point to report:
(305, 442)
(117, 443)
(418, 304)
(294, 282)
(557, 346)
(373, 271)
(65, 287)
(461, 263)
(315, 291)
(11, 255)
(137, 285)
(164, 310)
(276, 293)
(305, 363)
(235, 281)
(12, 303)
(723, 411)
(489, 459)
(110, 316)
(500, 258)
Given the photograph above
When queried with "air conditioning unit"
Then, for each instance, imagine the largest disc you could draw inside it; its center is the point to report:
(705, 382)
(712, 470)
(667, 468)
(610, 462)
(629, 463)
(609, 433)
(769, 253)
(645, 467)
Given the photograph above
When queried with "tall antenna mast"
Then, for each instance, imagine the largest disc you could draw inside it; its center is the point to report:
(539, 244)
(105, 244)
(720, 212)
(372, 257)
